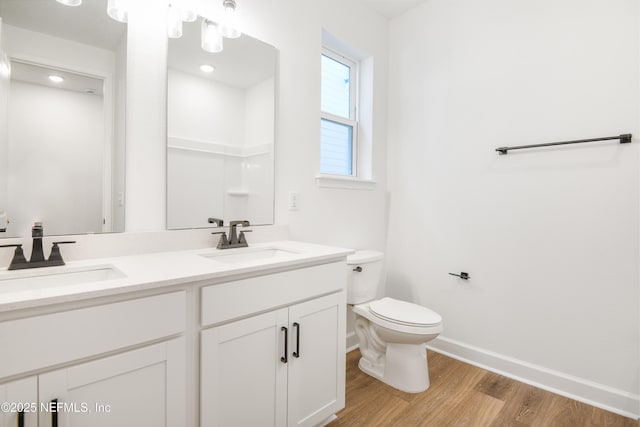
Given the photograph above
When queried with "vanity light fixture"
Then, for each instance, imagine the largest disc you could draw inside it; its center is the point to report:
(70, 2)
(117, 9)
(207, 68)
(55, 78)
(228, 27)
(187, 15)
(211, 39)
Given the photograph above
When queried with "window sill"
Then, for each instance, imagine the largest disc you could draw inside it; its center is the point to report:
(344, 182)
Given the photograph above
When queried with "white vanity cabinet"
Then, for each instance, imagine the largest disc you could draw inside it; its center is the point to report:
(113, 364)
(203, 342)
(136, 388)
(19, 396)
(283, 367)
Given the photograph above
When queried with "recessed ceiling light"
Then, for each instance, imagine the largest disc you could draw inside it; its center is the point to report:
(56, 79)
(206, 68)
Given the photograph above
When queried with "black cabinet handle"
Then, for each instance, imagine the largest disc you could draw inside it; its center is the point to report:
(283, 359)
(21, 419)
(297, 352)
(54, 413)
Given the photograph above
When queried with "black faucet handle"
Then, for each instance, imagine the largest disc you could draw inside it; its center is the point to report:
(241, 238)
(55, 258)
(18, 261)
(243, 223)
(223, 242)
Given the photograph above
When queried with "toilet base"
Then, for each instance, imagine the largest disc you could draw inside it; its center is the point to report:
(405, 367)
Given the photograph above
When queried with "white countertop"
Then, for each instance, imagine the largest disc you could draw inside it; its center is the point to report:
(162, 269)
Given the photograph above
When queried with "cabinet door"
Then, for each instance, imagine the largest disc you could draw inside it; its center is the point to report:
(139, 388)
(243, 380)
(19, 395)
(317, 370)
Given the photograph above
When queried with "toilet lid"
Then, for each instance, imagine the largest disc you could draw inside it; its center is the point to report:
(404, 312)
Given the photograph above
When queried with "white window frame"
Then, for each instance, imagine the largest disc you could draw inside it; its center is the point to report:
(353, 105)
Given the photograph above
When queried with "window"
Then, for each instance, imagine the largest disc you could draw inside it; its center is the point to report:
(338, 125)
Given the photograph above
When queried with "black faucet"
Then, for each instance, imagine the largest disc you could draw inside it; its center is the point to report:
(234, 240)
(19, 262)
(216, 221)
(37, 232)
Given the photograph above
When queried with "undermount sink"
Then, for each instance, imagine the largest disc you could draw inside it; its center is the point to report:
(46, 277)
(238, 256)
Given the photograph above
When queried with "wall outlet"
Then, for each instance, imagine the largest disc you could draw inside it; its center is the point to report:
(294, 197)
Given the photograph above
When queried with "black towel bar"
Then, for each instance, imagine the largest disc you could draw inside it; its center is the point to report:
(624, 139)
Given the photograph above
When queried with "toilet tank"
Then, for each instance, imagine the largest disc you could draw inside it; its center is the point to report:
(364, 269)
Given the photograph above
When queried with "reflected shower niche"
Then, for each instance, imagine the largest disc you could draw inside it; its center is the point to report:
(220, 153)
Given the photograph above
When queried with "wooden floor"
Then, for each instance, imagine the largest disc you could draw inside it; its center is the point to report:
(463, 395)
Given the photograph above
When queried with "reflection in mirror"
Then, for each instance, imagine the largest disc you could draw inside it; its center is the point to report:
(221, 115)
(62, 95)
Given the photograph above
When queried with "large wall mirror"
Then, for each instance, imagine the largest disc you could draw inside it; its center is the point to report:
(62, 97)
(221, 116)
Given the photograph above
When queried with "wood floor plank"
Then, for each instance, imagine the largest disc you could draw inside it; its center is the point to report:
(524, 406)
(495, 385)
(463, 395)
(475, 409)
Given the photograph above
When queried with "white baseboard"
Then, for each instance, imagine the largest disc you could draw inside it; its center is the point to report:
(592, 393)
(352, 341)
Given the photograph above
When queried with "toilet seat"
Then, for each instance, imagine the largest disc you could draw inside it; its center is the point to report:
(404, 313)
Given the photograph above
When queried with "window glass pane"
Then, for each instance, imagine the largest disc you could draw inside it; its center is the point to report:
(335, 87)
(336, 148)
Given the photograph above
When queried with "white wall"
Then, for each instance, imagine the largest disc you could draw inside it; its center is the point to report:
(119, 137)
(257, 165)
(4, 141)
(146, 117)
(60, 53)
(205, 110)
(259, 113)
(339, 217)
(211, 113)
(549, 236)
(210, 125)
(352, 218)
(56, 149)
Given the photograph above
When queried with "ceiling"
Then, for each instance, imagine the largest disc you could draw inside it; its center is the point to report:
(392, 8)
(39, 74)
(242, 63)
(88, 23)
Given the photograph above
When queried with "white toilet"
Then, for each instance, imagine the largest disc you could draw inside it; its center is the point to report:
(392, 334)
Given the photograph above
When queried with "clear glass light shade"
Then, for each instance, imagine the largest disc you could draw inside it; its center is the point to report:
(187, 15)
(70, 2)
(229, 25)
(211, 38)
(174, 23)
(118, 10)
